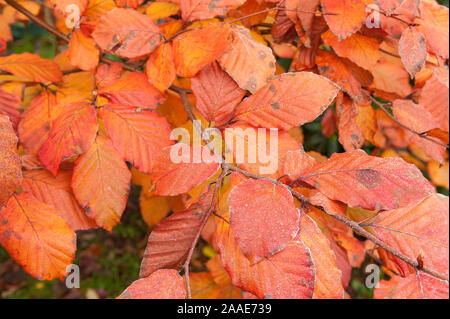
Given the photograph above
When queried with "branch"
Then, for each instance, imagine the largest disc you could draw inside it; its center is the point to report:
(352, 224)
(197, 236)
(38, 20)
(383, 108)
(56, 32)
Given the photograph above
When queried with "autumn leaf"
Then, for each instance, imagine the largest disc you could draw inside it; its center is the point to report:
(205, 9)
(216, 93)
(9, 105)
(37, 121)
(160, 67)
(82, 52)
(413, 51)
(252, 204)
(434, 97)
(335, 11)
(101, 182)
(170, 241)
(72, 133)
(414, 286)
(198, 47)
(57, 193)
(434, 24)
(162, 284)
(250, 63)
(133, 89)
(328, 282)
(175, 173)
(127, 33)
(139, 136)
(288, 274)
(31, 66)
(417, 230)
(288, 100)
(37, 237)
(370, 182)
(362, 50)
(10, 172)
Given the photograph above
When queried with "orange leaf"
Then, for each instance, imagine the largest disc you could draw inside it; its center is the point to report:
(205, 9)
(414, 286)
(127, 33)
(252, 204)
(417, 230)
(328, 284)
(36, 237)
(389, 6)
(203, 286)
(336, 70)
(358, 48)
(72, 133)
(288, 274)
(138, 136)
(169, 243)
(160, 67)
(198, 47)
(173, 178)
(250, 63)
(82, 51)
(370, 182)
(216, 93)
(133, 89)
(9, 105)
(57, 193)
(11, 171)
(101, 181)
(413, 116)
(288, 100)
(413, 51)
(37, 121)
(435, 98)
(31, 66)
(344, 17)
(162, 284)
(350, 135)
(434, 24)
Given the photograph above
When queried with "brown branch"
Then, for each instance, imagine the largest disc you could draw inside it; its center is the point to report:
(383, 108)
(38, 20)
(197, 236)
(56, 32)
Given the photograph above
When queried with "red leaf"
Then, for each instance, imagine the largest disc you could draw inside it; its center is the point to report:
(173, 178)
(264, 219)
(288, 100)
(417, 230)
(171, 239)
(216, 93)
(414, 286)
(72, 133)
(101, 182)
(370, 182)
(127, 33)
(139, 136)
(36, 237)
(162, 284)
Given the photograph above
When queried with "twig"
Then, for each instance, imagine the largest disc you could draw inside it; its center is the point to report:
(383, 108)
(38, 20)
(197, 236)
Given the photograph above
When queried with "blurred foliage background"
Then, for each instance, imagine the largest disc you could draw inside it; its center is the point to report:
(109, 262)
